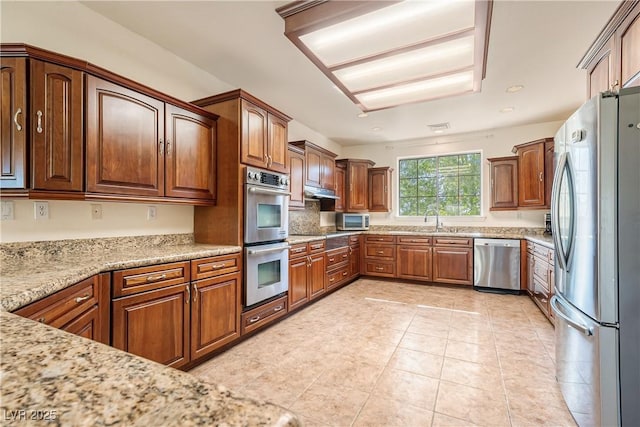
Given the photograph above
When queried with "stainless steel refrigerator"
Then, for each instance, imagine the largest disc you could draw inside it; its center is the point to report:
(595, 212)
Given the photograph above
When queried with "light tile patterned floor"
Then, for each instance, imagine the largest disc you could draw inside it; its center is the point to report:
(380, 353)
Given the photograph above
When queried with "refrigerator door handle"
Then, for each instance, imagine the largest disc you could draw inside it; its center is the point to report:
(555, 210)
(555, 306)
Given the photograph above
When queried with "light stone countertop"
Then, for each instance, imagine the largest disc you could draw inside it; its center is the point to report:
(25, 279)
(543, 240)
(87, 383)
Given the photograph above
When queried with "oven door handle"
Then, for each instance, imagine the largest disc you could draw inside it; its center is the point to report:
(264, 251)
(268, 191)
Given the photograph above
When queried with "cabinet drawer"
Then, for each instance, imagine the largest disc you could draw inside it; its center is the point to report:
(379, 239)
(453, 241)
(260, 316)
(316, 246)
(142, 279)
(541, 295)
(541, 269)
(543, 252)
(337, 277)
(336, 257)
(379, 268)
(414, 240)
(214, 266)
(380, 251)
(299, 250)
(62, 307)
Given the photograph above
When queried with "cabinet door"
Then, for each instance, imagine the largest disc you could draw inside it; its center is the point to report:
(296, 180)
(328, 167)
(215, 313)
(13, 120)
(277, 144)
(189, 155)
(57, 127)
(358, 182)
(600, 75)
(629, 40)
(414, 262)
(316, 275)
(549, 169)
(86, 325)
(453, 265)
(531, 175)
(504, 183)
(254, 135)
(379, 189)
(154, 325)
(531, 266)
(354, 261)
(313, 165)
(125, 140)
(298, 282)
(340, 177)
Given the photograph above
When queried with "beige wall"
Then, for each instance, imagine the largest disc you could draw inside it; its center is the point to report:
(493, 143)
(71, 28)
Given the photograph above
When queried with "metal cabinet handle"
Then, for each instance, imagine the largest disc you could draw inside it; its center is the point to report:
(156, 278)
(161, 147)
(15, 119)
(168, 150)
(266, 160)
(39, 125)
(332, 279)
(195, 292)
(188, 294)
(331, 259)
(541, 176)
(42, 320)
(254, 319)
(380, 252)
(350, 250)
(278, 308)
(82, 298)
(295, 251)
(217, 266)
(309, 261)
(344, 273)
(379, 268)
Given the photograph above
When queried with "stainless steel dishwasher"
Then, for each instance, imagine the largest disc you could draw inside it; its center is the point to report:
(496, 265)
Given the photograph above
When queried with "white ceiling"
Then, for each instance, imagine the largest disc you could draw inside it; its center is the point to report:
(532, 43)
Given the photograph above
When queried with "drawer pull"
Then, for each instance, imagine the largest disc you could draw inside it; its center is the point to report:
(217, 266)
(42, 320)
(380, 252)
(344, 273)
(331, 259)
(295, 251)
(344, 256)
(82, 298)
(156, 278)
(379, 268)
(332, 279)
(318, 246)
(278, 308)
(254, 319)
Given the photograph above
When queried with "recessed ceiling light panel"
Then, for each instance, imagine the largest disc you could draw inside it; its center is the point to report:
(507, 110)
(514, 88)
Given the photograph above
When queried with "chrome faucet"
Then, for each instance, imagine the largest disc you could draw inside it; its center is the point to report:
(438, 224)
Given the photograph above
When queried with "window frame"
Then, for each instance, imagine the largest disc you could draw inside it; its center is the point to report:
(443, 154)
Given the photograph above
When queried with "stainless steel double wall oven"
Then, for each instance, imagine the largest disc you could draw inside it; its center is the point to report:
(266, 226)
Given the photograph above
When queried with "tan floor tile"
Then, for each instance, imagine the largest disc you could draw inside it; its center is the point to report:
(534, 414)
(471, 335)
(441, 420)
(417, 362)
(478, 353)
(425, 343)
(472, 404)
(486, 377)
(331, 405)
(382, 411)
(351, 372)
(381, 335)
(419, 325)
(416, 390)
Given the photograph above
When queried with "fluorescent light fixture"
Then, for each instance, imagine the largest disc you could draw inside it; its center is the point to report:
(507, 110)
(363, 115)
(385, 53)
(514, 88)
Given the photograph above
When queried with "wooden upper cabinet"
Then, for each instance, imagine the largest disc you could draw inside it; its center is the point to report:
(57, 155)
(124, 137)
(531, 176)
(380, 189)
(13, 123)
(254, 135)
(296, 179)
(504, 182)
(356, 184)
(277, 145)
(613, 59)
(319, 165)
(327, 177)
(549, 168)
(340, 179)
(313, 164)
(190, 160)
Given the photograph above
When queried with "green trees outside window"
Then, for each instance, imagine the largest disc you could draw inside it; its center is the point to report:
(444, 185)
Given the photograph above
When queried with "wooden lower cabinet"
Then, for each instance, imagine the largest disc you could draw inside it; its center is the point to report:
(299, 291)
(414, 262)
(306, 273)
(215, 313)
(540, 277)
(355, 255)
(81, 309)
(316, 275)
(453, 265)
(263, 315)
(154, 324)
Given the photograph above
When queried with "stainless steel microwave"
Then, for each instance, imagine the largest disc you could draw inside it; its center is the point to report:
(352, 221)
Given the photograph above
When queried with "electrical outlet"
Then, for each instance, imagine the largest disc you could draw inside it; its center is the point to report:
(41, 210)
(152, 213)
(7, 210)
(96, 211)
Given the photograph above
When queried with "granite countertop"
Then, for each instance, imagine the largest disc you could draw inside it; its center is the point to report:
(544, 240)
(26, 279)
(76, 381)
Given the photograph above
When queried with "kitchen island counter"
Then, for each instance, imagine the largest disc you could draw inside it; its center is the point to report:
(71, 380)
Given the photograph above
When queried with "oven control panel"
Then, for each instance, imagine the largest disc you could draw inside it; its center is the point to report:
(266, 178)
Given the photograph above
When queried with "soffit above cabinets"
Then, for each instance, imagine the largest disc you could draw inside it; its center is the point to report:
(383, 54)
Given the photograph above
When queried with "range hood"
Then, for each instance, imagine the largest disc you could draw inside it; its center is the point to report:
(319, 193)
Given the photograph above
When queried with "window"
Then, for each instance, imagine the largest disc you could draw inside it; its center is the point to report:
(444, 185)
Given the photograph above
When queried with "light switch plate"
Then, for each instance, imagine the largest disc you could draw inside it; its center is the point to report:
(96, 211)
(152, 213)
(7, 210)
(41, 210)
